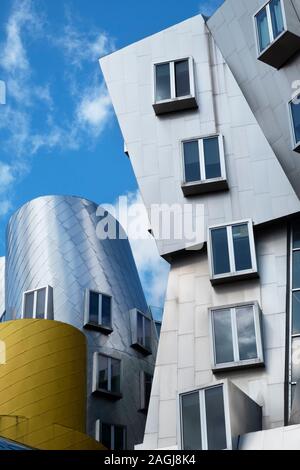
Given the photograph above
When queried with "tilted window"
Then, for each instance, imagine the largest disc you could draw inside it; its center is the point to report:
(269, 23)
(141, 331)
(145, 389)
(98, 311)
(294, 107)
(112, 436)
(107, 375)
(38, 303)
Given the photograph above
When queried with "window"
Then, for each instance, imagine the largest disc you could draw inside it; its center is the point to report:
(294, 106)
(236, 336)
(141, 331)
(112, 436)
(98, 311)
(107, 375)
(232, 252)
(203, 425)
(174, 86)
(145, 389)
(269, 23)
(204, 163)
(38, 303)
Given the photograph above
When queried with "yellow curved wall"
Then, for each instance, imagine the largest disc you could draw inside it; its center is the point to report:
(43, 385)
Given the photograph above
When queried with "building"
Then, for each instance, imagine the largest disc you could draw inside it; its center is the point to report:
(59, 269)
(210, 119)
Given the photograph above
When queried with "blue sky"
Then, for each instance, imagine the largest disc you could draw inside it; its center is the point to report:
(58, 132)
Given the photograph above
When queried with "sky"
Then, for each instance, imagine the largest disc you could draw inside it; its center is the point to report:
(58, 131)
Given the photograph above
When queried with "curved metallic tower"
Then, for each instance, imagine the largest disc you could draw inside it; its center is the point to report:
(52, 241)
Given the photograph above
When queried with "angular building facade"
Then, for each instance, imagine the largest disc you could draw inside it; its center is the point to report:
(210, 119)
(59, 269)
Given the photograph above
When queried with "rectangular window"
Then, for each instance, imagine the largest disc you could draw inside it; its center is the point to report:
(236, 336)
(98, 311)
(107, 374)
(38, 303)
(145, 389)
(203, 420)
(232, 251)
(182, 78)
(141, 326)
(295, 120)
(203, 159)
(112, 436)
(269, 23)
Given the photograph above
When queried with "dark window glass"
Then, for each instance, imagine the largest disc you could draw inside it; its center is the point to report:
(191, 422)
(276, 17)
(191, 161)
(147, 333)
(140, 329)
(94, 308)
(40, 303)
(215, 419)
(246, 333)
(103, 372)
(296, 313)
(212, 158)
(119, 438)
(295, 359)
(106, 311)
(241, 245)
(163, 86)
(220, 250)
(295, 107)
(28, 307)
(182, 78)
(296, 235)
(115, 375)
(105, 437)
(147, 388)
(296, 270)
(158, 327)
(263, 29)
(223, 336)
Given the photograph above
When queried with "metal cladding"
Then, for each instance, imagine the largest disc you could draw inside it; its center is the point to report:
(52, 241)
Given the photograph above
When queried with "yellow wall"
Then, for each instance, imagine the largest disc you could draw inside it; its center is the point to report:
(43, 385)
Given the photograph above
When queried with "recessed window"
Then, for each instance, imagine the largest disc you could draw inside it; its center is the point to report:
(204, 165)
(98, 311)
(141, 331)
(203, 424)
(232, 251)
(270, 23)
(112, 436)
(145, 389)
(174, 86)
(107, 375)
(38, 303)
(295, 122)
(236, 336)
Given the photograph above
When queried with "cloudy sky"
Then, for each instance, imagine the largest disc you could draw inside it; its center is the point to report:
(58, 132)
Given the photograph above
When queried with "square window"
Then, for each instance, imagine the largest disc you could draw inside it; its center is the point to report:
(107, 375)
(141, 331)
(38, 303)
(204, 165)
(112, 436)
(174, 86)
(236, 336)
(231, 252)
(98, 311)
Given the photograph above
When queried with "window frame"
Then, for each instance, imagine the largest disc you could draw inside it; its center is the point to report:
(237, 363)
(203, 420)
(143, 406)
(48, 296)
(134, 334)
(98, 436)
(270, 26)
(89, 325)
(233, 273)
(295, 144)
(101, 391)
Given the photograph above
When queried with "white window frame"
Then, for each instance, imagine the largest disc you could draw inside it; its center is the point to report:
(145, 317)
(87, 309)
(173, 96)
(203, 178)
(270, 26)
(203, 420)
(98, 436)
(295, 143)
(109, 375)
(237, 362)
(233, 272)
(35, 291)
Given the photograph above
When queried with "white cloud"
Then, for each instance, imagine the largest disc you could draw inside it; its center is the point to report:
(94, 109)
(6, 176)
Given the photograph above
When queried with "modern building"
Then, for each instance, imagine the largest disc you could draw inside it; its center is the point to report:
(59, 269)
(209, 115)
